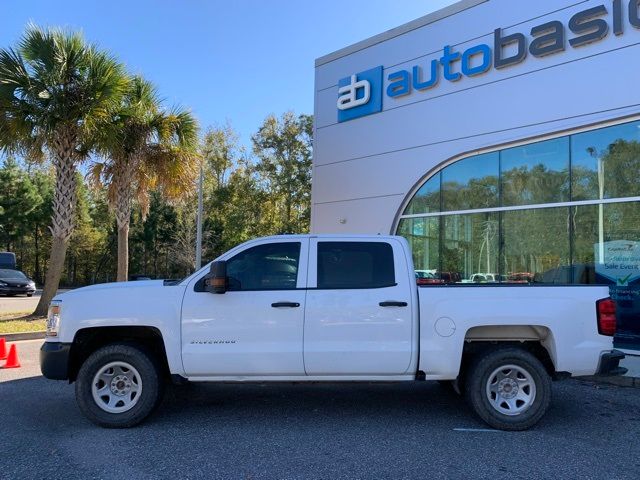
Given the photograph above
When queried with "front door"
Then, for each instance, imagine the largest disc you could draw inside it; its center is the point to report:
(358, 316)
(256, 327)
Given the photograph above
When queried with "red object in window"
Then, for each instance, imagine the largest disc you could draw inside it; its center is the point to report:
(606, 309)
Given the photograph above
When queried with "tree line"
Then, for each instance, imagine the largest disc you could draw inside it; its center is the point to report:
(99, 176)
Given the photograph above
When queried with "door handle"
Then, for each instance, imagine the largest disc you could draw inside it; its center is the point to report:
(391, 303)
(285, 304)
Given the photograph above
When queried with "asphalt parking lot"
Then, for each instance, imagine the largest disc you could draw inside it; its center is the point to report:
(19, 304)
(286, 431)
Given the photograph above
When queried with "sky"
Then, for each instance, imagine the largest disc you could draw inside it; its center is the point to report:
(235, 61)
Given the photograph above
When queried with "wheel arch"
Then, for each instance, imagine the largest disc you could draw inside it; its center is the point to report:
(536, 339)
(88, 340)
(524, 335)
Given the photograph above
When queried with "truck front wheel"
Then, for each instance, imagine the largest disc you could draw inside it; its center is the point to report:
(118, 386)
(508, 388)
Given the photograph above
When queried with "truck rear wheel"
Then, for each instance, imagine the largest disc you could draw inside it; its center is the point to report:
(118, 386)
(509, 389)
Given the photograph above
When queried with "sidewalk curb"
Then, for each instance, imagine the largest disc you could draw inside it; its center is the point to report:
(620, 381)
(14, 337)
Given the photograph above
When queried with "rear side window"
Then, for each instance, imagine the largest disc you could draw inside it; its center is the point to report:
(355, 265)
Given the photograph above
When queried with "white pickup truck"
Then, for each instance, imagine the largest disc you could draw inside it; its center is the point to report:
(325, 308)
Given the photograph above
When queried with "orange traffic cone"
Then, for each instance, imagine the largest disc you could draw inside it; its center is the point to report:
(3, 349)
(12, 358)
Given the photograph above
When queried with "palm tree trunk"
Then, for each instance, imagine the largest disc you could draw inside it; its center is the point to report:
(37, 254)
(124, 194)
(54, 272)
(123, 253)
(64, 204)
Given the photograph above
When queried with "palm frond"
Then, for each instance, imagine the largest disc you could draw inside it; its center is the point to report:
(106, 85)
(179, 127)
(55, 83)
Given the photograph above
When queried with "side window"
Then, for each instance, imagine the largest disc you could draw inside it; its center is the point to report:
(355, 265)
(273, 266)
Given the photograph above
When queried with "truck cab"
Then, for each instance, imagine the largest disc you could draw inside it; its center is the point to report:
(282, 315)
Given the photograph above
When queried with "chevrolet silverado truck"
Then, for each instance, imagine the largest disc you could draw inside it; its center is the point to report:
(325, 308)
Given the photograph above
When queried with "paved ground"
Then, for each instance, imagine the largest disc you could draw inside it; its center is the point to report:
(19, 304)
(313, 431)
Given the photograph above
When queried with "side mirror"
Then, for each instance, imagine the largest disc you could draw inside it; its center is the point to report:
(216, 280)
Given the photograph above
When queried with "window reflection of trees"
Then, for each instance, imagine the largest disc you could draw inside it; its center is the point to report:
(427, 198)
(471, 183)
(558, 244)
(535, 240)
(613, 173)
(523, 186)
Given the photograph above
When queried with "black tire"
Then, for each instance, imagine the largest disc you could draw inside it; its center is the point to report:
(29, 294)
(480, 399)
(151, 381)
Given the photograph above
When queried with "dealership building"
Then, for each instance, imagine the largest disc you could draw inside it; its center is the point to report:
(501, 138)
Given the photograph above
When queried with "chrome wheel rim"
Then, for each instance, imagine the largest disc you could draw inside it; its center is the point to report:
(117, 387)
(511, 390)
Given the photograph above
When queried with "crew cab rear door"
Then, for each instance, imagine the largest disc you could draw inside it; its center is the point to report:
(358, 314)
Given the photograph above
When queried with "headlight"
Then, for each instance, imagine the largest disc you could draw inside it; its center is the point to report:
(53, 320)
(3, 284)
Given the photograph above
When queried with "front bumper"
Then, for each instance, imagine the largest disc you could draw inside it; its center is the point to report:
(54, 360)
(610, 364)
(9, 290)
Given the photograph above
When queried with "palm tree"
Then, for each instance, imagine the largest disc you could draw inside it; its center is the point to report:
(56, 91)
(144, 148)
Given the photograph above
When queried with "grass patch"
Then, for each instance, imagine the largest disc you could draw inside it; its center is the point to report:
(21, 322)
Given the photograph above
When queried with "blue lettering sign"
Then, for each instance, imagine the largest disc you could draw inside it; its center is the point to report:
(361, 94)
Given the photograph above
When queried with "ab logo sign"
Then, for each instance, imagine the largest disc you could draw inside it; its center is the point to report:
(360, 94)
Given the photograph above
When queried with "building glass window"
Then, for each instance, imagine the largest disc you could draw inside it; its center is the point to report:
(606, 243)
(427, 199)
(606, 162)
(471, 183)
(585, 228)
(536, 241)
(470, 248)
(424, 236)
(536, 173)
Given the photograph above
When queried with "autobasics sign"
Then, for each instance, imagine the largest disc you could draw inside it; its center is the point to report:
(361, 93)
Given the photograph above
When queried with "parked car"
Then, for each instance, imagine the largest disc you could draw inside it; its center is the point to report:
(329, 308)
(449, 277)
(487, 278)
(423, 277)
(522, 277)
(478, 278)
(14, 282)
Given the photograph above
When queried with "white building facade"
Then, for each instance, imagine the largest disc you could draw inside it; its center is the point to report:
(501, 138)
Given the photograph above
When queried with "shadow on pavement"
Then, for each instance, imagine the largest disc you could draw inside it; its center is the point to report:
(316, 431)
